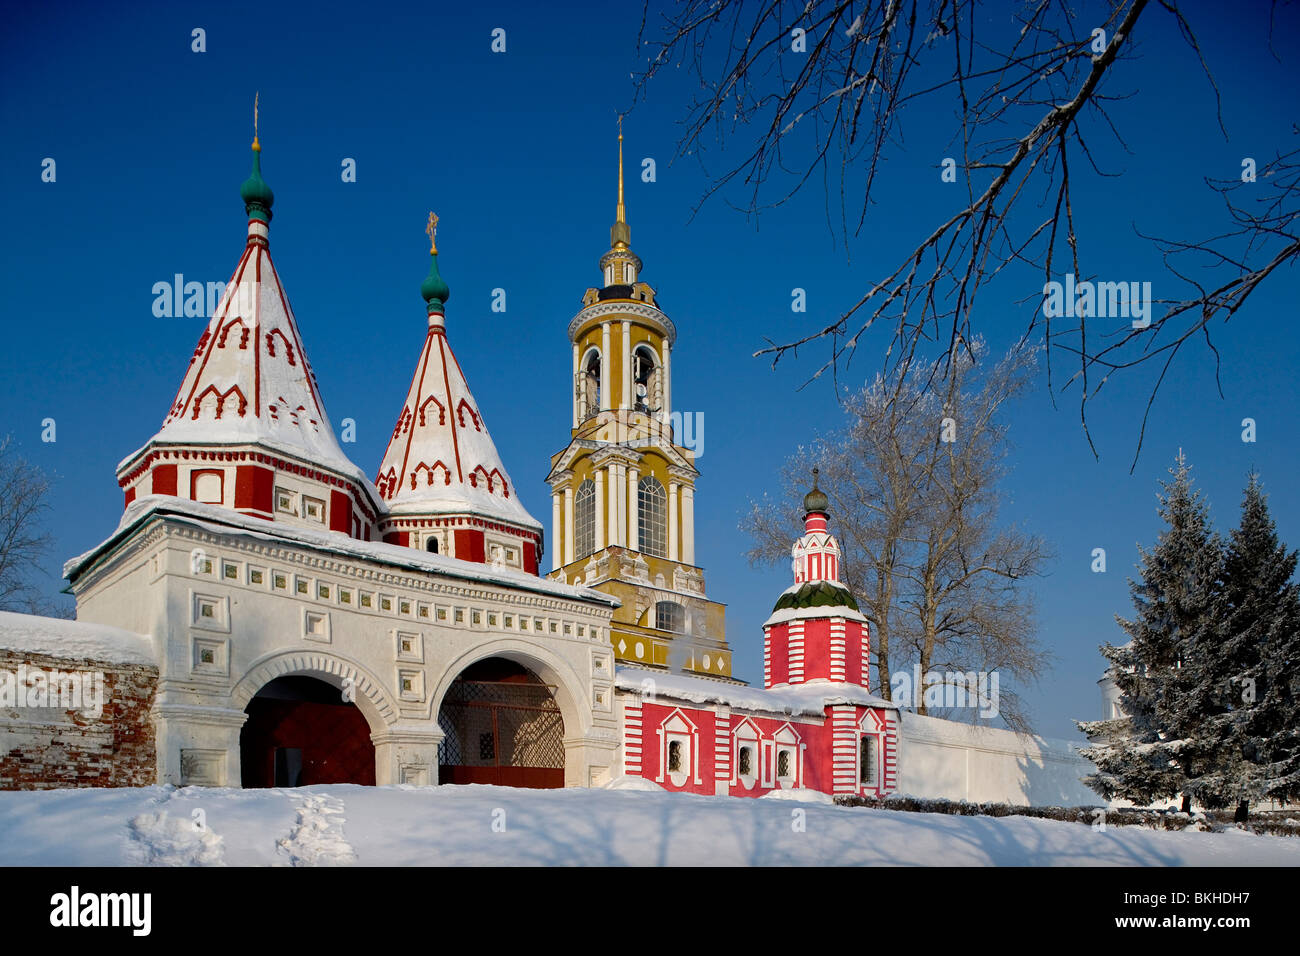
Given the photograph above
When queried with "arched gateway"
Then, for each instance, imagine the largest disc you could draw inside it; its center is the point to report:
(503, 726)
(302, 731)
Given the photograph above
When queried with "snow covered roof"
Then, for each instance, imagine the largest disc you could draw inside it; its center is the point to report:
(221, 520)
(56, 637)
(800, 601)
(441, 459)
(807, 699)
(249, 379)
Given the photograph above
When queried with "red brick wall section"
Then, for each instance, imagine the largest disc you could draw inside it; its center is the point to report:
(43, 749)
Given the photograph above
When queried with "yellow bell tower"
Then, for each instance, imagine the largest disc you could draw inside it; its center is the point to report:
(623, 491)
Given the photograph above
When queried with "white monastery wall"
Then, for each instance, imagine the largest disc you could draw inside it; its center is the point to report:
(944, 759)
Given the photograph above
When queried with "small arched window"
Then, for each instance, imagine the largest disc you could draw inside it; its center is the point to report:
(783, 763)
(675, 756)
(431, 545)
(867, 762)
(652, 517)
(584, 519)
(745, 766)
(670, 616)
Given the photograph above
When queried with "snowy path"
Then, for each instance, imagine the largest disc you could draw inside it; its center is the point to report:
(318, 839)
(164, 838)
(388, 826)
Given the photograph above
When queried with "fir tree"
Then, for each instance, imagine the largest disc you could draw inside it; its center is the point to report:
(1227, 686)
(1262, 627)
(1139, 754)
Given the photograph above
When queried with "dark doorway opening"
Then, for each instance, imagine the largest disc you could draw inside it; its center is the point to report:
(300, 731)
(502, 727)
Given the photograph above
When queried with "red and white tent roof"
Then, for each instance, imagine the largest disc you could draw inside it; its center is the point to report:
(249, 380)
(441, 459)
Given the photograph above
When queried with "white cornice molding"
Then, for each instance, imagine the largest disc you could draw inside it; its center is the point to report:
(623, 307)
(357, 570)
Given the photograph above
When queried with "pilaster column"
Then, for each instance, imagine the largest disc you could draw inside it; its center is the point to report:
(616, 517)
(633, 512)
(672, 521)
(627, 364)
(688, 524)
(556, 556)
(569, 543)
(605, 362)
(600, 508)
(575, 386)
(668, 384)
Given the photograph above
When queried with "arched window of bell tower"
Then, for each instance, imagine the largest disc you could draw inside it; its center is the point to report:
(647, 384)
(588, 386)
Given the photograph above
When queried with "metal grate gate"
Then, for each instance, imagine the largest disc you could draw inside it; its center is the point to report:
(501, 732)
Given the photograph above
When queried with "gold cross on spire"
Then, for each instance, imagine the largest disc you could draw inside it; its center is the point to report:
(256, 144)
(431, 230)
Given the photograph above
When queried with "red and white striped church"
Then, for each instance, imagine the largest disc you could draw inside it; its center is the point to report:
(814, 725)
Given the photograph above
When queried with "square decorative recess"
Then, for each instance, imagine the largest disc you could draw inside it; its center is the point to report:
(203, 768)
(409, 646)
(602, 698)
(211, 612)
(316, 625)
(210, 656)
(601, 666)
(416, 775)
(410, 684)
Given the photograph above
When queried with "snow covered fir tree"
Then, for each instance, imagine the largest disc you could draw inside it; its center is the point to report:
(1208, 684)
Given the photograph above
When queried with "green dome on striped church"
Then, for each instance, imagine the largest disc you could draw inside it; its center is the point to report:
(817, 594)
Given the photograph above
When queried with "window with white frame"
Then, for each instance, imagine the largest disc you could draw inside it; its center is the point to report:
(867, 760)
(652, 517)
(677, 746)
(747, 756)
(785, 763)
(584, 519)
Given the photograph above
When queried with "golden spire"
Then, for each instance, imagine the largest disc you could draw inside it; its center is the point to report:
(257, 147)
(620, 235)
(622, 213)
(431, 230)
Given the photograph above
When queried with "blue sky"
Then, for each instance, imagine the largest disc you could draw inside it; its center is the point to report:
(516, 153)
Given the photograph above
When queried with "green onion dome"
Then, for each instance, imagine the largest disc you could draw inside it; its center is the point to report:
(433, 288)
(255, 192)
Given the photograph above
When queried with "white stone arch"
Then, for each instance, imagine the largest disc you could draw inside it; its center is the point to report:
(371, 698)
(551, 668)
(654, 397)
(588, 399)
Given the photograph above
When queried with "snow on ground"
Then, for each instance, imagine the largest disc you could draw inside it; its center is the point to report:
(452, 825)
